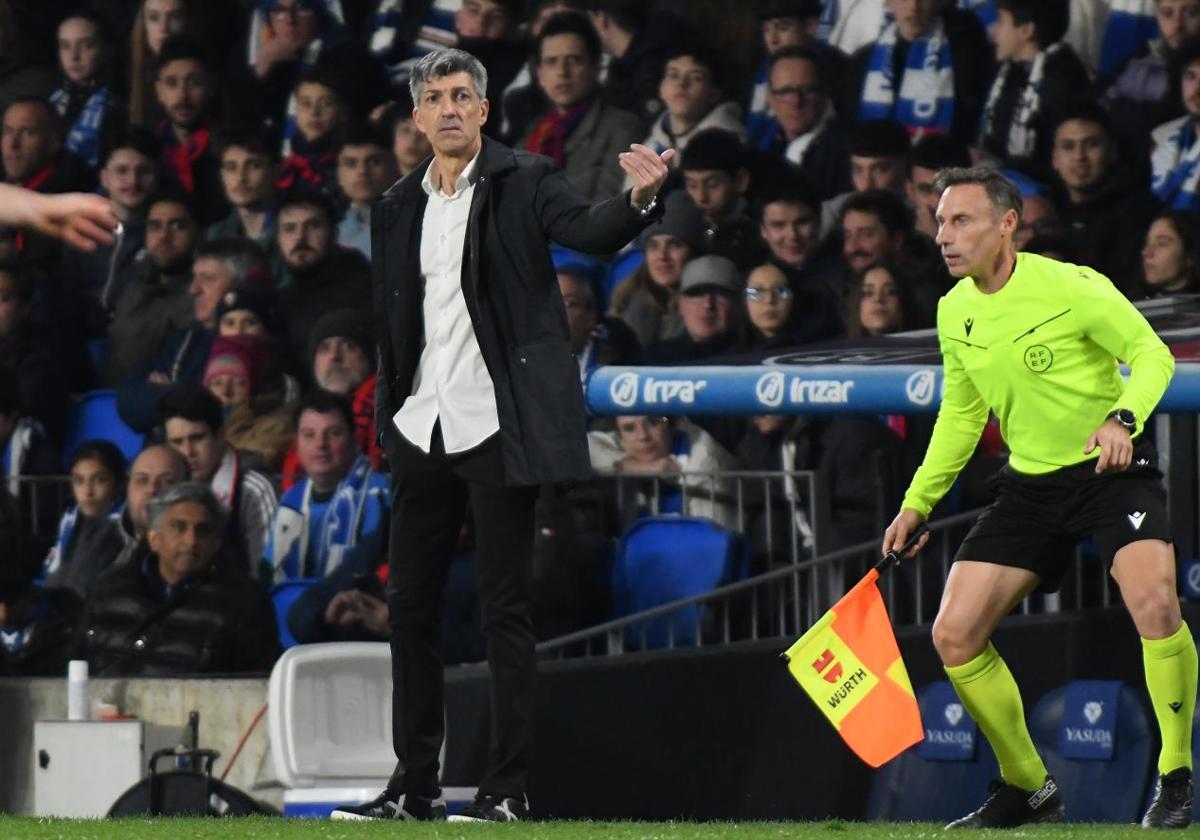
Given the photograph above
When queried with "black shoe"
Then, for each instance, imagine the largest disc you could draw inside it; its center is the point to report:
(394, 806)
(487, 808)
(1010, 806)
(1172, 805)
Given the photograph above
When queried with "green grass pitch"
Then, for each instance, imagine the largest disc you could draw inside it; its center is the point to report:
(262, 828)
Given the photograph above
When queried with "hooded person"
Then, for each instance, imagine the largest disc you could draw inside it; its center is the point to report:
(647, 299)
(341, 350)
(256, 421)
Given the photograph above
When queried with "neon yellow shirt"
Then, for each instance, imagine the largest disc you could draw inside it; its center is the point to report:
(1041, 353)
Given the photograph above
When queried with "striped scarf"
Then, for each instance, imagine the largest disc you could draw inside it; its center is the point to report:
(437, 31)
(84, 136)
(1022, 133)
(549, 136)
(924, 100)
(1175, 164)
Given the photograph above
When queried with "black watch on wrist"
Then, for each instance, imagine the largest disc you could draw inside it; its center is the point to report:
(1125, 418)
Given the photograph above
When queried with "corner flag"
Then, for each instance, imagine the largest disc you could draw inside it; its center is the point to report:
(850, 665)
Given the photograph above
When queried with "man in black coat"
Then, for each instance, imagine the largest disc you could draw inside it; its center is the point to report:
(183, 608)
(478, 401)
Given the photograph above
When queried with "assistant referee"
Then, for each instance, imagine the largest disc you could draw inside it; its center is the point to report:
(1036, 342)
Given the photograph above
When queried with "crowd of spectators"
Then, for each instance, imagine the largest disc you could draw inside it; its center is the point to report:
(243, 142)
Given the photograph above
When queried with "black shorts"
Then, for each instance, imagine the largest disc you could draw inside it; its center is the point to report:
(1036, 520)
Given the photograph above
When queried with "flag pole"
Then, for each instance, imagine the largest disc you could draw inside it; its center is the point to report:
(892, 558)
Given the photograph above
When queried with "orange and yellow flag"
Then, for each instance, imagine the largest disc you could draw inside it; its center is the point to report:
(850, 665)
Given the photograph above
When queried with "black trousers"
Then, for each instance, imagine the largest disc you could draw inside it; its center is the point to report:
(432, 493)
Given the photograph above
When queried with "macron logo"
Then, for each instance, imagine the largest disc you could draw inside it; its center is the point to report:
(1135, 519)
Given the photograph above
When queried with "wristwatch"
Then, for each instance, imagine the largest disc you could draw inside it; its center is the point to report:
(649, 208)
(1125, 418)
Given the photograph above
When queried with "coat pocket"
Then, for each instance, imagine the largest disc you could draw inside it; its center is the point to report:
(547, 391)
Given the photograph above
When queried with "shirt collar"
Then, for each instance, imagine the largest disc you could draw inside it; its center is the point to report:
(465, 179)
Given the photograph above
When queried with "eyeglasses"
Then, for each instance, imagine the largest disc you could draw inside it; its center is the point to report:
(757, 295)
(796, 92)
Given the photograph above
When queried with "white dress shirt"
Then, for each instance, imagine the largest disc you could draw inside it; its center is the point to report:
(452, 382)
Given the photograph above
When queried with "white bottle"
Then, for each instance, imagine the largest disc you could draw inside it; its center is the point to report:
(77, 690)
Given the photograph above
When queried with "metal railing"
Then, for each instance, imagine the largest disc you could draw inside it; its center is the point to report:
(785, 601)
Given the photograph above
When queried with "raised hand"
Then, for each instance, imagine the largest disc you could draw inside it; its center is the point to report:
(647, 172)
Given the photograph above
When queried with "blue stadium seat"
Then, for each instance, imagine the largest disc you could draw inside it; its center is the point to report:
(1112, 790)
(96, 417)
(283, 595)
(663, 558)
(929, 784)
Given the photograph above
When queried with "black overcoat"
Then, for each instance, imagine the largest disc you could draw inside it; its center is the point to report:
(522, 203)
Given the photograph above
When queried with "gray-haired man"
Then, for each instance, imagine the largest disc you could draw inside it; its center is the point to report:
(180, 610)
(478, 402)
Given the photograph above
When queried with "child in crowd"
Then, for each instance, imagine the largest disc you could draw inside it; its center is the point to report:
(313, 134)
(89, 533)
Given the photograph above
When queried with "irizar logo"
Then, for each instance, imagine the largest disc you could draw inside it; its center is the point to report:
(1135, 519)
(954, 713)
(1092, 711)
(770, 388)
(624, 390)
(919, 387)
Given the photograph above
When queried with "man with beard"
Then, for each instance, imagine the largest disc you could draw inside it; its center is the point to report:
(156, 303)
(342, 354)
(184, 87)
(324, 275)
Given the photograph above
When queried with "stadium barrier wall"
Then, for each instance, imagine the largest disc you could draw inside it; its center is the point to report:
(226, 706)
(724, 733)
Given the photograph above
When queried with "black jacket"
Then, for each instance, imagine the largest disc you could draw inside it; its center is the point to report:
(214, 621)
(1108, 229)
(521, 203)
(49, 647)
(341, 281)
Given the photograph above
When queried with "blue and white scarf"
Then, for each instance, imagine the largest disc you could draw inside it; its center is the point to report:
(924, 102)
(1175, 164)
(358, 506)
(66, 531)
(84, 137)
(1022, 131)
(20, 443)
(437, 31)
